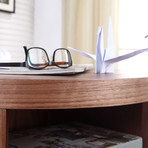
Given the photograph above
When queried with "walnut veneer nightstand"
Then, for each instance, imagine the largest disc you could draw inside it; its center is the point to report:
(81, 91)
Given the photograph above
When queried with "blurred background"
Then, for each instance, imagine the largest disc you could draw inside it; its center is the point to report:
(61, 23)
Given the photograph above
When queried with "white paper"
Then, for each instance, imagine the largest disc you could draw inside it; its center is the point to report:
(110, 49)
(105, 58)
(86, 54)
(99, 50)
(49, 71)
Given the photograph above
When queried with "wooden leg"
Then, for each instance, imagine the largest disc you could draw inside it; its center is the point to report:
(3, 129)
(144, 124)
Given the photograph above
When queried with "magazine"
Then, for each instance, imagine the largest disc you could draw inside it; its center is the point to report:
(73, 135)
(47, 71)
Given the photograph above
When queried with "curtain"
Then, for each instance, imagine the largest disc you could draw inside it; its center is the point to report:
(81, 19)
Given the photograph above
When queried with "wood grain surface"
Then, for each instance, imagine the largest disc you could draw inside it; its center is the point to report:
(84, 90)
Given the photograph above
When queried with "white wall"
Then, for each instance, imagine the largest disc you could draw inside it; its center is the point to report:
(16, 29)
(34, 23)
(133, 24)
(48, 24)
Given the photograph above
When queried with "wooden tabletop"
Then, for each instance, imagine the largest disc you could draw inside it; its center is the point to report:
(83, 90)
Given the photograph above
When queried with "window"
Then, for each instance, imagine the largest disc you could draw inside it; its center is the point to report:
(133, 27)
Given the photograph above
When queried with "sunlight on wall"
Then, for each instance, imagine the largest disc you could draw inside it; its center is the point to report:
(16, 29)
(133, 24)
(133, 27)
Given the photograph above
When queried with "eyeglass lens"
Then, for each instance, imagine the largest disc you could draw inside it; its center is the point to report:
(37, 58)
(61, 58)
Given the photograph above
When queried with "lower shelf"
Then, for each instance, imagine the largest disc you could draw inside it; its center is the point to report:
(72, 135)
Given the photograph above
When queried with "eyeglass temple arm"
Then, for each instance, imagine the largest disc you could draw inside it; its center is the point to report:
(16, 64)
(23, 64)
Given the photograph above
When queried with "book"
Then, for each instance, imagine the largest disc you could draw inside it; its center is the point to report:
(73, 135)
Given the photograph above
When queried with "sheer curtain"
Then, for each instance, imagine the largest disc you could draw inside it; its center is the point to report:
(81, 19)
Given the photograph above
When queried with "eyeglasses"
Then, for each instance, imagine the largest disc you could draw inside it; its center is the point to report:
(37, 58)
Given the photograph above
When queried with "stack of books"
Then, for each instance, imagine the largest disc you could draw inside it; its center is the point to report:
(73, 135)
